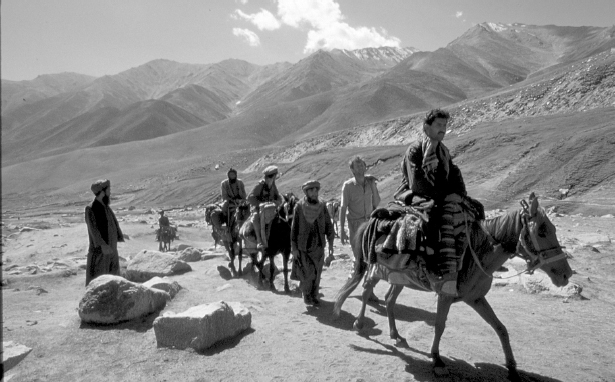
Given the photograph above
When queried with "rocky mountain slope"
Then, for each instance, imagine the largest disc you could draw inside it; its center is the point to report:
(376, 117)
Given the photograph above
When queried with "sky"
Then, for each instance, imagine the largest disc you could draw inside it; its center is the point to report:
(106, 37)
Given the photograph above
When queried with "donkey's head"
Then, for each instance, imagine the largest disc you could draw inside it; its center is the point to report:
(539, 246)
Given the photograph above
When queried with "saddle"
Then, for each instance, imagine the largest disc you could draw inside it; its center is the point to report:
(394, 235)
(268, 211)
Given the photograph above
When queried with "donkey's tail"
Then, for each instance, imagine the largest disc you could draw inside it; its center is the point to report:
(360, 267)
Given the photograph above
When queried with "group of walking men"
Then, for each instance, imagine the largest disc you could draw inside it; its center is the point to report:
(428, 172)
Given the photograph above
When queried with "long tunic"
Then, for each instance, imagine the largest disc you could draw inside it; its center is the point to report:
(308, 234)
(231, 192)
(103, 231)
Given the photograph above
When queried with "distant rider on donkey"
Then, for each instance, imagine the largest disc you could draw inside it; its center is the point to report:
(264, 191)
(428, 172)
(233, 193)
(163, 222)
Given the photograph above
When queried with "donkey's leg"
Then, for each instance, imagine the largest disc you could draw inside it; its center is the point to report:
(368, 288)
(285, 259)
(272, 272)
(240, 256)
(231, 255)
(391, 299)
(482, 307)
(444, 305)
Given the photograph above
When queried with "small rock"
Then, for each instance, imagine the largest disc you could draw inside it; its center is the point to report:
(12, 354)
(202, 326)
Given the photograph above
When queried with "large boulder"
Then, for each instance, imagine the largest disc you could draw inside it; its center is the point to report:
(111, 299)
(202, 326)
(171, 287)
(12, 354)
(190, 254)
(147, 264)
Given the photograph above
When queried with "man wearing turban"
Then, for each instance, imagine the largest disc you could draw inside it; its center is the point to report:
(311, 226)
(104, 234)
(233, 193)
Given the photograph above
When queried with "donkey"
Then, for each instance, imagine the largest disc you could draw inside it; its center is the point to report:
(333, 206)
(527, 233)
(278, 243)
(165, 237)
(231, 239)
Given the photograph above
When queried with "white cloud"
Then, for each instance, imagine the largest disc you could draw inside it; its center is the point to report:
(327, 29)
(325, 24)
(315, 13)
(264, 20)
(458, 14)
(250, 37)
(343, 36)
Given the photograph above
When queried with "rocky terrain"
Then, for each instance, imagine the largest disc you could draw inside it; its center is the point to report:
(43, 281)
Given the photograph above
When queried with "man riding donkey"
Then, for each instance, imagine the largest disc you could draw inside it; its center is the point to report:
(163, 221)
(264, 201)
(233, 193)
(430, 176)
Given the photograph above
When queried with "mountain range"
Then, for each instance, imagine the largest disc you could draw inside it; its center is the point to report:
(165, 117)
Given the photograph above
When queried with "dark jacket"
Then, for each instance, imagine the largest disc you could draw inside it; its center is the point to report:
(98, 226)
(414, 178)
(261, 194)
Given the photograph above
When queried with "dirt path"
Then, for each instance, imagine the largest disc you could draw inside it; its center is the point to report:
(553, 339)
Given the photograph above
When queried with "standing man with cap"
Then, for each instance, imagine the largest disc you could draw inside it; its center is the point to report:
(104, 234)
(232, 192)
(311, 226)
(264, 191)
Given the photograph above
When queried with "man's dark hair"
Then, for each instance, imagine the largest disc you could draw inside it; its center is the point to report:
(356, 158)
(436, 113)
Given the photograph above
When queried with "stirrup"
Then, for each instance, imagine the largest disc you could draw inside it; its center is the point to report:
(445, 284)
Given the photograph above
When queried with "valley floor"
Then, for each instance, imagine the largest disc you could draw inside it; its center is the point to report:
(554, 339)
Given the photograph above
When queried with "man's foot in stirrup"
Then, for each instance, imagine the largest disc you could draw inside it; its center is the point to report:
(260, 246)
(445, 284)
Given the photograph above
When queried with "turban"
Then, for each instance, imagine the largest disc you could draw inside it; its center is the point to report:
(310, 184)
(271, 170)
(100, 185)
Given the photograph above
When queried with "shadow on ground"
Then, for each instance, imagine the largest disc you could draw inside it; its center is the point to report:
(140, 325)
(458, 370)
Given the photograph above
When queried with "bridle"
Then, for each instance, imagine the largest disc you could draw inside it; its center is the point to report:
(534, 259)
(538, 257)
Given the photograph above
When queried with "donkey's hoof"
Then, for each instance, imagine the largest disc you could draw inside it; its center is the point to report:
(357, 325)
(401, 343)
(441, 371)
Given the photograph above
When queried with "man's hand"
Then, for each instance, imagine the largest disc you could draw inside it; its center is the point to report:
(329, 259)
(344, 237)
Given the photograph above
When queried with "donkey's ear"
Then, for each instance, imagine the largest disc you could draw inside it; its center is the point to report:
(533, 205)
